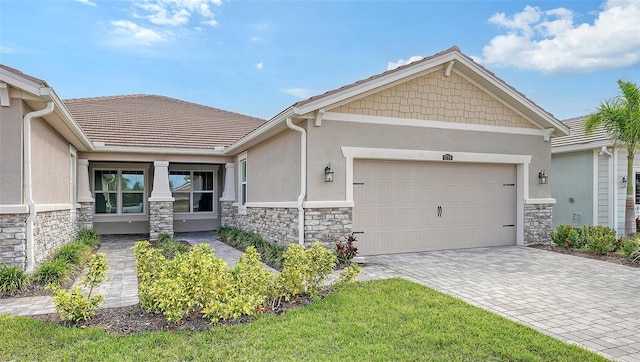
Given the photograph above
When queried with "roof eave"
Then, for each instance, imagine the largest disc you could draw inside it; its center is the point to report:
(261, 133)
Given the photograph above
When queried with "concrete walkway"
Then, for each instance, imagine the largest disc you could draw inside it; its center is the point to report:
(591, 303)
(122, 287)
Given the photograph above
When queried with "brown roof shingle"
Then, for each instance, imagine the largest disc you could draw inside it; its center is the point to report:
(157, 121)
(26, 76)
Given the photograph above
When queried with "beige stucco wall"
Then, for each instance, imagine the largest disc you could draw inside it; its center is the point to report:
(11, 153)
(273, 169)
(437, 97)
(324, 145)
(50, 164)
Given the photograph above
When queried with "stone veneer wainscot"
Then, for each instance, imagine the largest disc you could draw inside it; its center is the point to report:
(538, 224)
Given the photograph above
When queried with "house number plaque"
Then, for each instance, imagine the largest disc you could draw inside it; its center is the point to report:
(447, 157)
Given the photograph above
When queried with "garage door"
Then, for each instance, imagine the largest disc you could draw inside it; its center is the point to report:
(419, 206)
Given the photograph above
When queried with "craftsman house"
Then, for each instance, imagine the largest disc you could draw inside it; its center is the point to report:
(437, 154)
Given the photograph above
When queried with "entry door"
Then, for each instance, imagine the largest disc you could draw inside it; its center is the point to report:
(403, 206)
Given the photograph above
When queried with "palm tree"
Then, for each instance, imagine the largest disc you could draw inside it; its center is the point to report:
(620, 117)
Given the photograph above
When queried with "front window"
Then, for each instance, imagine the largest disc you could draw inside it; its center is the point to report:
(119, 191)
(192, 191)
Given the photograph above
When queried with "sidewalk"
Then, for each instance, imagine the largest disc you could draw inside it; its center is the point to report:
(122, 287)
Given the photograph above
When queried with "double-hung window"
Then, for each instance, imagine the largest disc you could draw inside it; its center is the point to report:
(192, 190)
(119, 191)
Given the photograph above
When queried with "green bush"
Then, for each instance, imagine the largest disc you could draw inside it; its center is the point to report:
(629, 246)
(305, 270)
(12, 279)
(600, 239)
(567, 236)
(170, 247)
(271, 254)
(74, 306)
(75, 253)
(53, 272)
(88, 237)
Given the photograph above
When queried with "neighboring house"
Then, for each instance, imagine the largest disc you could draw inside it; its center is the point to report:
(590, 178)
(436, 154)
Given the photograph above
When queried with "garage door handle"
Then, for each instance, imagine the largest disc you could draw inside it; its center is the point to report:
(439, 211)
(357, 232)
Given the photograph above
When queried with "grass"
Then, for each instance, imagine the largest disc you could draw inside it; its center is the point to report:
(374, 321)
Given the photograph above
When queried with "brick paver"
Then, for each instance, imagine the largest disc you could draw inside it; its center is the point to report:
(588, 302)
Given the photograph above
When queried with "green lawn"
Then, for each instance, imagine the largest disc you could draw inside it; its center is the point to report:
(377, 320)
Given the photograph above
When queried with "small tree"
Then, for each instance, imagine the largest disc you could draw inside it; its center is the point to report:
(620, 117)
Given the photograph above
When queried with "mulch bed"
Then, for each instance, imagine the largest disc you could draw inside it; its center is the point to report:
(610, 258)
(133, 319)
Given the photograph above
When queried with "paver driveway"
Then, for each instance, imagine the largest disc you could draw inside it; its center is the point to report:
(589, 302)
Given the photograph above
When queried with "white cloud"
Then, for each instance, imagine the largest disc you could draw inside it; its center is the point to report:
(301, 93)
(130, 32)
(260, 65)
(550, 41)
(256, 39)
(86, 2)
(177, 12)
(401, 62)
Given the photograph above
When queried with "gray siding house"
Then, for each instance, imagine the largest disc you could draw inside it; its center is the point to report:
(590, 178)
(437, 154)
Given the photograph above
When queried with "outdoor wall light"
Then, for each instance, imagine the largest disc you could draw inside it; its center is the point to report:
(542, 177)
(624, 180)
(328, 173)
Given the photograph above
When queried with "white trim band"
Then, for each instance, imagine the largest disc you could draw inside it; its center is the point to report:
(539, 201)
(14, 209)
(409, 122)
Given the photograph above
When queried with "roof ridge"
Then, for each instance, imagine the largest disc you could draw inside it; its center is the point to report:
(105, 97)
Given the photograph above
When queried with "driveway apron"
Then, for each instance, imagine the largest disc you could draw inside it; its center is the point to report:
(588, 302)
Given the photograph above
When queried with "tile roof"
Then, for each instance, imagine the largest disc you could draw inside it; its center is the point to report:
(578, 136)
(156, 121)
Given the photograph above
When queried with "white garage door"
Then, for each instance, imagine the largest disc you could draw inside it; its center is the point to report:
(418, 206)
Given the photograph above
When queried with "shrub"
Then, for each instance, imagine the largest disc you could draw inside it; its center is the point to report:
(349, 274)
(600, 239)
(567, 236)
(346, 250)
(304, 270)
(74, 306)
(88, 237)
(53, 272)
(74, 253)
(629, 246)
(271, 254)
(170, 247)
(12, 278)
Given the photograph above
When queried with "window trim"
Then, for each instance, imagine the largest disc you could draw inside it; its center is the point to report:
(243, 185)
(119, 192)
(214, 191)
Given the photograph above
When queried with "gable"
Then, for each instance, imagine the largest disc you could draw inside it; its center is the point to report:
(436, 97)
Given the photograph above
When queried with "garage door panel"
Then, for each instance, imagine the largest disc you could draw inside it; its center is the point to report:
(416, 206)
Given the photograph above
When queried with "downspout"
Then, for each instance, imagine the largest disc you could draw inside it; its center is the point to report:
(28, 194)
(303, 177)
(611, 189)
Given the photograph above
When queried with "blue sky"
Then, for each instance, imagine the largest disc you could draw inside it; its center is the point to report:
(259, 57)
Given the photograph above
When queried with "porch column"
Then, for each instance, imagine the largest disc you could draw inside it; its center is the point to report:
(160, 202)
(227, 209)
(85, 198)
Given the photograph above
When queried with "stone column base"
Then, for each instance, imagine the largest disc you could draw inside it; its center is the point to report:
(160, 218)
(85, 216)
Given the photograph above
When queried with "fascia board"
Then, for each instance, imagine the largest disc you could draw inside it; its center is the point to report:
(515, 95)
(19, 82)
(69, 121)
(260, 133)
(157, 150)
(376, 83)
(581, 147)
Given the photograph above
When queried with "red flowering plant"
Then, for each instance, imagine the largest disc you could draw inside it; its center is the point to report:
(346, 249)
